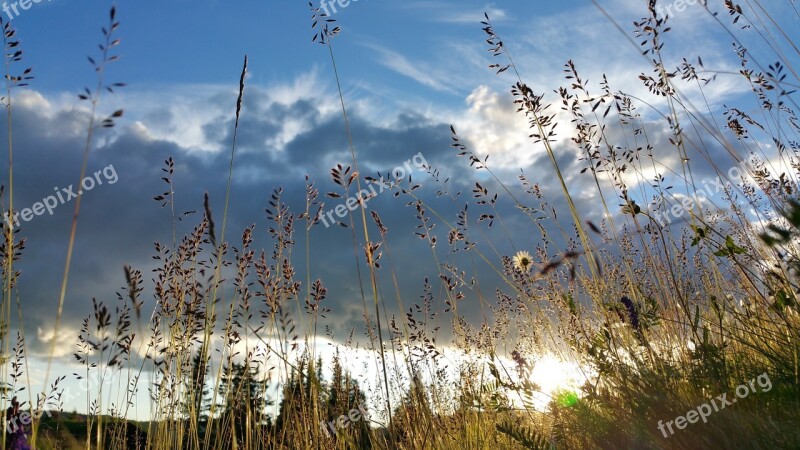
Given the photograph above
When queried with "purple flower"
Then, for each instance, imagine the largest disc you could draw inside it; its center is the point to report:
(19, 440)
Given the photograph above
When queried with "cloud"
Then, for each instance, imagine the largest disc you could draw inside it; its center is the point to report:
(62, 344)
(423, 73)
(295, 128)
(119, 222)
(454, 12)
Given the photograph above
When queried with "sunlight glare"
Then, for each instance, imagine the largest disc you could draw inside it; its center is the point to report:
(554, 375)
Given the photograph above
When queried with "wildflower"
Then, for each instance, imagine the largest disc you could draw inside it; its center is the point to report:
(17, 438)
(523, 261)
(633, 315)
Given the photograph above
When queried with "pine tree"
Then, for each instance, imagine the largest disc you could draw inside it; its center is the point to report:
(414, 412)
(198, 392)
(344, 396)
(294, 392)
(244, 397)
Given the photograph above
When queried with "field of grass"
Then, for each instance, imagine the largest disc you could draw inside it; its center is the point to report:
(677, 314)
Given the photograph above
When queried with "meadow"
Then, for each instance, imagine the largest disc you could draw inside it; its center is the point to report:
(675, 317)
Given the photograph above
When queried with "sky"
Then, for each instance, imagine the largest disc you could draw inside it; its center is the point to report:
(408, 71)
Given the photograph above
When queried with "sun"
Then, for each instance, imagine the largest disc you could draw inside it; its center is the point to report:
(557, 379)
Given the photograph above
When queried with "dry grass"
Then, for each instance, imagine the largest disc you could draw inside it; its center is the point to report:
(658, 317)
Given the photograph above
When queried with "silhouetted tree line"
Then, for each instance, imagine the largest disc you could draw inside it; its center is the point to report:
(333, 410)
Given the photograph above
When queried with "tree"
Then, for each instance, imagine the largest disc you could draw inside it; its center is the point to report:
(244, 397)
(198, 398)
(295, 391)
(414, 413)
(345, 398)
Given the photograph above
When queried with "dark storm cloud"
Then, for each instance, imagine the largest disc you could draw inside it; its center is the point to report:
(119, 222)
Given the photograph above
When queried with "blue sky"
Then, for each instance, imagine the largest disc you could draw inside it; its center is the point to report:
(201, 42)
(409, 70)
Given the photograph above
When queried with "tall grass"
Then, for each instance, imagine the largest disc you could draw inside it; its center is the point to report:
(656, 318)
